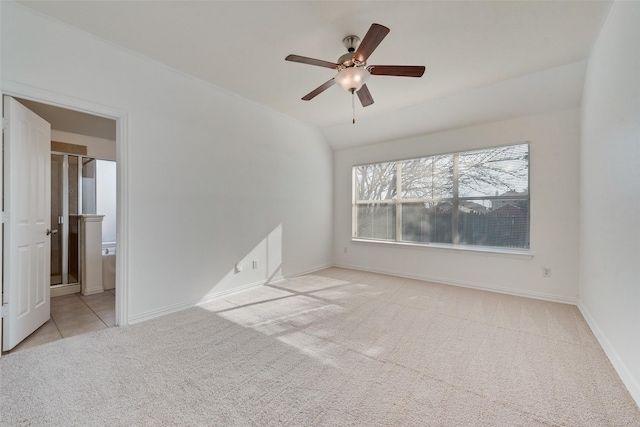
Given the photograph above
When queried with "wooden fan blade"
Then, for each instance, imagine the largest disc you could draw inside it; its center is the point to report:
(371, 41)
(311, 61)
(365, 96)
(318, 90)
(397, 70)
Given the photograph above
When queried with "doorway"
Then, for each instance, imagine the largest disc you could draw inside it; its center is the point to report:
(68, 172)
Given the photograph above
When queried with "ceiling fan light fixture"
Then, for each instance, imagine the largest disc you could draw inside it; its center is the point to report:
(351, 79)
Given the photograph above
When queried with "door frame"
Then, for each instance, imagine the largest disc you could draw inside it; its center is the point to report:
(42, 96)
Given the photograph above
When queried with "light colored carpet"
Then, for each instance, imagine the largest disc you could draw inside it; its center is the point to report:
(338, 347)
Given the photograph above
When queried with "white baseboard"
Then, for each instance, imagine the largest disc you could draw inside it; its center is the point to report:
(151, 314)
(312, 270)
(479, 286)
(618, 364)
(217, 295)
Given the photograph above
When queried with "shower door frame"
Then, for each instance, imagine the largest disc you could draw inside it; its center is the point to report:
(65, 218)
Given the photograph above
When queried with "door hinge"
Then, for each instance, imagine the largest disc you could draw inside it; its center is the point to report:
(3, 217)
(5, 124)
(4, 310)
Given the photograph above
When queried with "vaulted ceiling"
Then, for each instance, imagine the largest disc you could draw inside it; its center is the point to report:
(240, 46)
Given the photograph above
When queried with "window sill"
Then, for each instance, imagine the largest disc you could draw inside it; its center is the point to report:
(480, 250)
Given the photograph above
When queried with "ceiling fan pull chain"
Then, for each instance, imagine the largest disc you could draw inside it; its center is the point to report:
(353, 104)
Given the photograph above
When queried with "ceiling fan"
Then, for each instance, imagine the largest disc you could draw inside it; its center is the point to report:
(353, 71)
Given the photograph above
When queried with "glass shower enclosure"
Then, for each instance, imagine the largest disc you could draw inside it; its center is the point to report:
(73, 188)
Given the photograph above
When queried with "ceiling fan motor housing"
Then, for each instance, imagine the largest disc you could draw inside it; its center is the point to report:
(347, 60)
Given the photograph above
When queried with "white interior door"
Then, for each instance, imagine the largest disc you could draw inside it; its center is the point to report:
(27, 248)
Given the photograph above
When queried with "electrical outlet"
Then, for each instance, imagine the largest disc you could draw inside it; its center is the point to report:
(254, 264)
(345, 249)
(546, 271)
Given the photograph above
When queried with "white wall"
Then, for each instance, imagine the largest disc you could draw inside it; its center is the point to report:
(211, 177)
(610, 192)
(554, 187)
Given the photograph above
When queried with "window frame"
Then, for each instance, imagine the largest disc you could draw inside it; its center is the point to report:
(455, 199)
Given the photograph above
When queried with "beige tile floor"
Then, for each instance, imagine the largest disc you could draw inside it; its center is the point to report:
(72, 315)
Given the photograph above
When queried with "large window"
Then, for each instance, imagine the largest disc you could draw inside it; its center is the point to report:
(476, 198)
